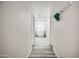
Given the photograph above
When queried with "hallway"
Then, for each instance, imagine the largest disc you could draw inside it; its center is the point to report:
(60, 29)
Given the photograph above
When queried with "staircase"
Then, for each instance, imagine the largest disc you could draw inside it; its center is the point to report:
(41, 42)
(42, 53)
(42, 49)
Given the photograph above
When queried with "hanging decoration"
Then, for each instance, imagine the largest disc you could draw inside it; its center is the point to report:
(57, 16)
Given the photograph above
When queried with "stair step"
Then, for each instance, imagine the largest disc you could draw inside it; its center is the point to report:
(47, 53)
(42, 53)
(42, 49)
(42, 56)
(41, 46)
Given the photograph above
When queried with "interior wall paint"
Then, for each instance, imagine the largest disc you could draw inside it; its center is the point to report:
(0, 28)
(16, 29)
(54, 8)
(65, 42)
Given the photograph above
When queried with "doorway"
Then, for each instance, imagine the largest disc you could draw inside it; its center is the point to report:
(41, 27)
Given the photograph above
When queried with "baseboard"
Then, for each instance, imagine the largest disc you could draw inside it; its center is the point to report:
(4, 56)
(55, 51)
(29, 53)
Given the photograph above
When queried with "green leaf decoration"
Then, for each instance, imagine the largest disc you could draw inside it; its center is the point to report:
(57, 16)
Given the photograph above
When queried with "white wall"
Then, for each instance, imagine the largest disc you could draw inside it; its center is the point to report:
(54, 8)
(0, 28)
(16, 28)
(66, 37)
